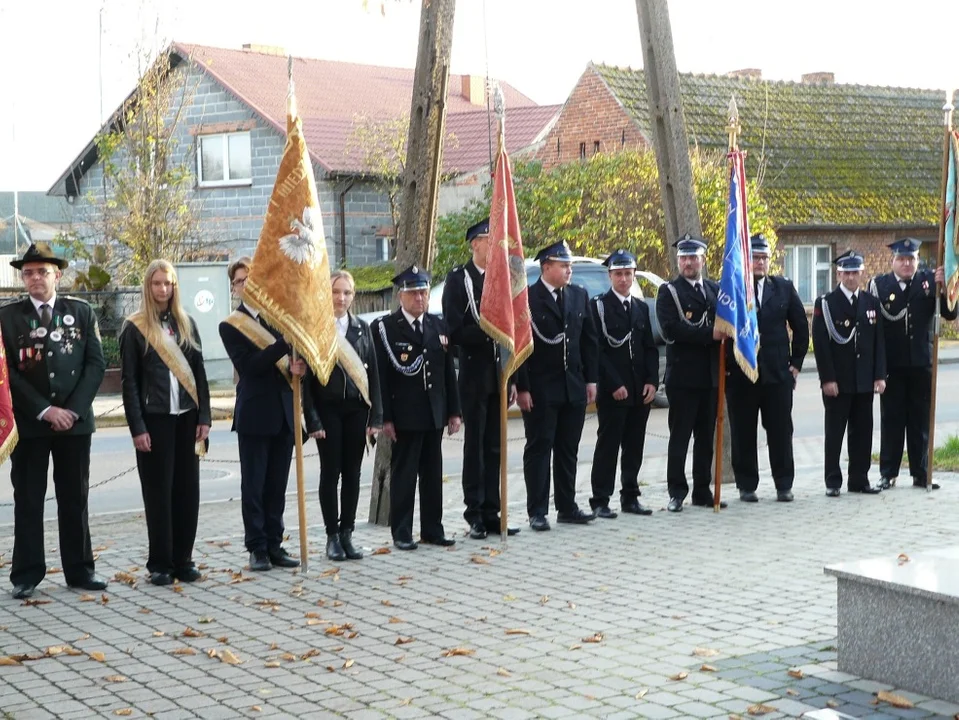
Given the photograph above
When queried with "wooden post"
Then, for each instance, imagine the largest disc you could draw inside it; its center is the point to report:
(940, 254)
(420, 186)
(300, 478)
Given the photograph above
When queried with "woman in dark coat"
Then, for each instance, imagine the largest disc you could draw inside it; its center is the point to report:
(342, 415)
(167, 403)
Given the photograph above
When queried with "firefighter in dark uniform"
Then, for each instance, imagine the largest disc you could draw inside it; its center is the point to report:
(777, 307)
(555, 385)
(56, 365)
(686, 308)
(851, 359)
(628, 379)
(420, 399)
(478, 385)
(907, 305)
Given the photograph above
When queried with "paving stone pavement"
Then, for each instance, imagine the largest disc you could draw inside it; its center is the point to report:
(598, 621)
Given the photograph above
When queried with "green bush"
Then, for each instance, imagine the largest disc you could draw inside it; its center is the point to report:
(370, 278)
(111, 351)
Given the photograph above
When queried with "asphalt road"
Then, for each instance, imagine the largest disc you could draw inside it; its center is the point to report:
(112, 454)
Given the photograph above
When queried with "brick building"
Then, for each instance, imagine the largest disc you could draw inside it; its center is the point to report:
(843, 166)
(233, 130)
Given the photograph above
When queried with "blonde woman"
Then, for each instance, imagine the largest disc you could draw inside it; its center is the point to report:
(167, 403)
(340, 415)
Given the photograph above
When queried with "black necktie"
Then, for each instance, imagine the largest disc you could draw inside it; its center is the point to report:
(626, 306)
(45, 315)
(418, 329)
(699, 290)
(855, 305)
(559, 299)
(907, 284)
(758, 293)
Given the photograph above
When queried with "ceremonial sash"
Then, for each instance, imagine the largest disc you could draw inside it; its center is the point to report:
(352, 365)
(172, 356)
(259, 336)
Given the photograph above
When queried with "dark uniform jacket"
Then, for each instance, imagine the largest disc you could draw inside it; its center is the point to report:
(908, 340)
(264, 399)
(858, 364)
(146, 379)
(558, 373)
(634, 363)
(780, 307)
(692, 355)
(476, 350)
(62, 369)
(340, 387)
(424, 400)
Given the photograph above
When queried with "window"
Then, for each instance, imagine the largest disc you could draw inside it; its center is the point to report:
(595, 146)
(810, 269)
(582, 151)
(224, 159)
(383, 249)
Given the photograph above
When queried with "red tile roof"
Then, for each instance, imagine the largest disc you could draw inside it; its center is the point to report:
(331, 94)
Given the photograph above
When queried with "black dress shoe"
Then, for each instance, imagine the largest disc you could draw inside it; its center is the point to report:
(161, 578)
(634, 507)
(90, 582)
(493, 529)
(334, 548)
(748, 496)
(405, 544)
(784, 496)
(675, 505)
(866, 490)
(478, 531)
(605, 513)
(441, 541)
(539, 523)
(346, 540)
(711, 502)
(576, 517)
(279, 557)
(260, 561)
(832, 492)
(886, 483)
(187, 574)
(23, 591)
(921, 483)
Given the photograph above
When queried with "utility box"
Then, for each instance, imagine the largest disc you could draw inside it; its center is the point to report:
(205, 294)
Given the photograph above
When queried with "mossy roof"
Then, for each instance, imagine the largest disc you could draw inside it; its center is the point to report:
(834, 154)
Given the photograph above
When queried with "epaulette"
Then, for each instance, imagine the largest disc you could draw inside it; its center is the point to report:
(7, 301)
(75, 299)
(457, 268)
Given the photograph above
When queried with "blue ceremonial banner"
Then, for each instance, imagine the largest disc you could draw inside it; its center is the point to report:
(736, 307)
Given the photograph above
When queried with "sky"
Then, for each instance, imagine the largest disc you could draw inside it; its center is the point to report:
(67, 64)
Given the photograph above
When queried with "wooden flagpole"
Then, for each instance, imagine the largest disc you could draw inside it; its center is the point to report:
(300, 479)
(940, 258)
(504, 379)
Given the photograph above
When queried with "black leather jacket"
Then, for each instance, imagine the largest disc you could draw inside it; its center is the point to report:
(340, 387)
(146, 380)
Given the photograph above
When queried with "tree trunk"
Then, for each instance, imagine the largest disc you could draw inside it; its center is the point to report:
(421, 183)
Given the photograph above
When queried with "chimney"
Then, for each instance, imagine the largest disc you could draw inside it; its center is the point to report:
(819, 78)
(264, 49)
(746, 73)
(473, 88)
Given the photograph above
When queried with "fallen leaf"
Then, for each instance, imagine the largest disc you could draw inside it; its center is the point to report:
(311, 653)
(126, 578)
(347, 664)
(707, 668)
(219, 543)
(158, 633)
(35, 601)
(338, 629)
(792, 692)
(705, 652)
(509, 597)
(897, 701)
(401, 658)
(760, 709)
(679, 676)
(518, 631)
(273, 645)
(85, 636)
(381, 551)
(99, 548)
(406, 701)
(190, 632)
(395, 620)
(404, 578)
(503, 672)
(453, 652)
(493, 552)
(386, 602)
(735, 717)
(832, 703)
(902, 558)
(144, 611)
(86, 598)
(7, 660)
(229, 658)
(403, 640)
(329, 572)
(225, 640)
(575, 646)
(311, 615)
(330, 668)
(98, 656)
(337, 603)
(338, 648)
(478, 560)
(204, 620)
(571, 605)
(316, 621)
(123, 711)
(796, 673)
(116, 678)
(641, 694)
(594, 638)
(239, 577)
(183, 651)
(543, 600)
(104, 599)
(352, 635)
(272, 664)
(256, 708)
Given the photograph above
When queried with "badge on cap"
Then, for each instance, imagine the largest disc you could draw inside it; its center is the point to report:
(68, 320)
(41, 332)
(56, 336)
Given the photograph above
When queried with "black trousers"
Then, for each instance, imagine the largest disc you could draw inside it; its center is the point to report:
(904, 415)
(264, 472)
(481, 458)
(29, 464)
(692, 413)
(774, 401)
(552, 433)
(855, 411)
(622, 430)
(417, 454)
(170, 481)
(341, 456)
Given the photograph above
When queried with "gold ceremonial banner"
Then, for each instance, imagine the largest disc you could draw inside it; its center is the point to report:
(259, 336)
(289, 281)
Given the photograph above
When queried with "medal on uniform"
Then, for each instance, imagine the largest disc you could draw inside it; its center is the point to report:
(404, 357)
(68, 347)
(846, 323)
(33, 333)
(689, 315)
(41, 332)
(56, 336)
(68, 320)
(892, 296)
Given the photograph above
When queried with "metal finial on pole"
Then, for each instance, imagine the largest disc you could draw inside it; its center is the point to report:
(499, 108)
(290, 96)
(734, 127)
